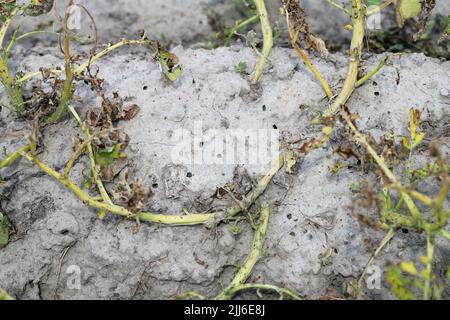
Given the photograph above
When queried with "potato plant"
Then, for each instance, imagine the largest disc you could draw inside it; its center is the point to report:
(105, 144)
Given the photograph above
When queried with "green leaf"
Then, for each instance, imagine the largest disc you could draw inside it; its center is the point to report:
(235, 228)
(407, 9)
(241, 67)
(370, 3)
(170, 65)
(399, 284)
(409, 267)
(105, 158)
(5, 228)
(418, 139)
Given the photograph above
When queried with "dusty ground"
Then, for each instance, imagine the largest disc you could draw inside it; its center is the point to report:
(310, 209)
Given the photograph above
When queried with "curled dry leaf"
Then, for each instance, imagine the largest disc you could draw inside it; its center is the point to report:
(134, 195)
(297, 18)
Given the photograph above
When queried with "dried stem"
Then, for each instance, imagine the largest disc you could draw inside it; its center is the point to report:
(358, 22)
(80, 69)
(427, 290)
(304, 56)
(387, 238)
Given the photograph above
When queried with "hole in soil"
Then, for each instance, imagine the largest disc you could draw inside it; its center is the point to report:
(264, 108)
(275, 127)
(64, 232)
(155, 186)
(145, 88)
(376, 93)
(292, 234)
(189, 175)
(405, 231)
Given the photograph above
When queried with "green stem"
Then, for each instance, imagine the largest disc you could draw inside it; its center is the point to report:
(363, 80)
(247, 268)
(12, 87)
(13, 157)
(340, 7)
(444, 234)
(268, 39)
(4, 295)
(267, 287)
(380, 7)
(208, 219)
(414, 211)
(427, 291)
(238, 26)
(89, 136)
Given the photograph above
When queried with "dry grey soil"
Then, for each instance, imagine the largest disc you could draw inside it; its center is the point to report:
(311, 216)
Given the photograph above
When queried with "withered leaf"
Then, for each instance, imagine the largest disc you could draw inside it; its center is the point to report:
(131, 112)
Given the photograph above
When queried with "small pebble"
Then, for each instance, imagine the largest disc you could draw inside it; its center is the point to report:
(445, 92)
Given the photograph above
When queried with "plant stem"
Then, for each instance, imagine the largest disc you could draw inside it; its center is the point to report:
(444, 234)
(268, 287)
(238, 26)
(208, 219)
(5, 27)
(12, 87)
(13, 157)
(415, 212)
(67, 91)
(379, 8)
(268, 39)
(358, 21)
(339, 6)
(4, 295)
(429, 269)
(363, 80)
(304, 56)
(388, 237)
(89, 137)
(80, 69)
(246, 269)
